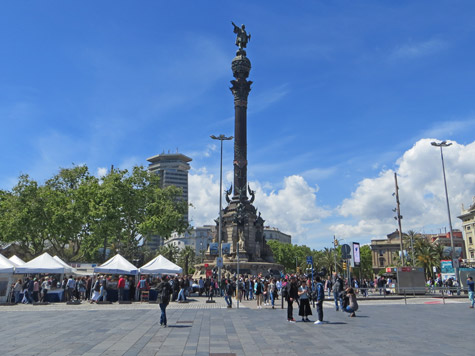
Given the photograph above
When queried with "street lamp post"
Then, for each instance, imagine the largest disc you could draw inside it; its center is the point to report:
(220, 138)
(455, 265)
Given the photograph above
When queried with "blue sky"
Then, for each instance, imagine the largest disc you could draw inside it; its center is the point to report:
(344, 94)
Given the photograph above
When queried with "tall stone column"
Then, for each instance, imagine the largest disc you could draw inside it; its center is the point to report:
(241, 66)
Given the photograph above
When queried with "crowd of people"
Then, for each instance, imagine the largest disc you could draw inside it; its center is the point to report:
(301, 291)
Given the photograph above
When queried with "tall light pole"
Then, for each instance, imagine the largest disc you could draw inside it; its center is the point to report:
(220, 138)
(398, 218)
(455, 265)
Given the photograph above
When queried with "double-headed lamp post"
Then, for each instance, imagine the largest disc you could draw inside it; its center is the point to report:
(220, 138)
(445, 144)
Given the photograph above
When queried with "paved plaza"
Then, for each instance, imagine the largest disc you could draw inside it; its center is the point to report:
(425, 326)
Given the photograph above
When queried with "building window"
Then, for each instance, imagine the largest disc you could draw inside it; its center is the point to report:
(468, 227)
(470, 240)
(381, 262)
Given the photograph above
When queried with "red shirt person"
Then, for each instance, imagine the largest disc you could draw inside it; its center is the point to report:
(120, 287)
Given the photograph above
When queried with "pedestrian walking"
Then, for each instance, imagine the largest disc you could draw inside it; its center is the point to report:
(470, 287)
(230, 289)
(164, 290)
(337, 290)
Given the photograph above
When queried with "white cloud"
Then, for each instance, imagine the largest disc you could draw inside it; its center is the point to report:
(449, 128)
(418, 49)
(421, 192)
(101, 172)
(293, 208)
(203, 194)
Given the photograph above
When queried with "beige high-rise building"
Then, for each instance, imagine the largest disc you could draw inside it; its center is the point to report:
(468, 227)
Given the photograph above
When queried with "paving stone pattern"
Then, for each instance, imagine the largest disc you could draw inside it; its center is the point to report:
(198, 329)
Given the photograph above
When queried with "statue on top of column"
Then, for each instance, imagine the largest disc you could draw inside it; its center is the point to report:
(242, 37)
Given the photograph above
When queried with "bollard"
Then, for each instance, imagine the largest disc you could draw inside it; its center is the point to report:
(405, 300)
(443, 296)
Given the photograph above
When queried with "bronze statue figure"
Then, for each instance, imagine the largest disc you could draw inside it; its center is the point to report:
(242, 37)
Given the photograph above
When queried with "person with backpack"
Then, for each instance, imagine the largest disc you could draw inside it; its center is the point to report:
(164, 290)
(320, 297)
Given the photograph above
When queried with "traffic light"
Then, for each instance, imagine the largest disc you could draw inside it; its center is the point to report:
(335, 243)
(298, 270)
(344, 266)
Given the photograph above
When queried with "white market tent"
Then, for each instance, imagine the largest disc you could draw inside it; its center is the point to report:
(68, 268)
(17, 260)
(6, 266)
(160, 265)
(117, 265)
(7, 269)
(42, 264)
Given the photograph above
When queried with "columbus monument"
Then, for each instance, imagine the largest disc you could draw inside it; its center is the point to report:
(242, 226)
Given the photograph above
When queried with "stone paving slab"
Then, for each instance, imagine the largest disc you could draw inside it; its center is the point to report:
(380, 328)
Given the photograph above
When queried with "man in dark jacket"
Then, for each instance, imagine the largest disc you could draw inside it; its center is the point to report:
(292, 294)
(230, 288)
(320, 292)
(337, 290)
(164, 290)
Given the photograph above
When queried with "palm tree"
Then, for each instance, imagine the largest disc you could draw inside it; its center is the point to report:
(327, 259)
(170, 252)
(187, 257)
(409, 239)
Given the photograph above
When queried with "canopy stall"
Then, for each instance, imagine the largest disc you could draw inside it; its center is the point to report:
(117, 265)
(17, 261)
(160, 265)
(7, 268)
(68, 268)
(43, 264)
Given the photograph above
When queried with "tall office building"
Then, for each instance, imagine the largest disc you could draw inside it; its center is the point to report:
(172, 169)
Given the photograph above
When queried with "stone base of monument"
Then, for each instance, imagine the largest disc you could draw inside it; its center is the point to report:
(245, 268)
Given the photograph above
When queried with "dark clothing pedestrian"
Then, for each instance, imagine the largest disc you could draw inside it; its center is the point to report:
(163, 291)
(292, 295)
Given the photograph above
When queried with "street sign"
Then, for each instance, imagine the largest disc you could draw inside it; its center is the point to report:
(209, 273)
(310, 260)
(345, 251)
(219, 262)
(206, 265)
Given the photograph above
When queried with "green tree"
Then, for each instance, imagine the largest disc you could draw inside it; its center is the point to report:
(170, 252)
(186, 258)
(131, 206)
(23, 217)
(67, 196)
(366, 263)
